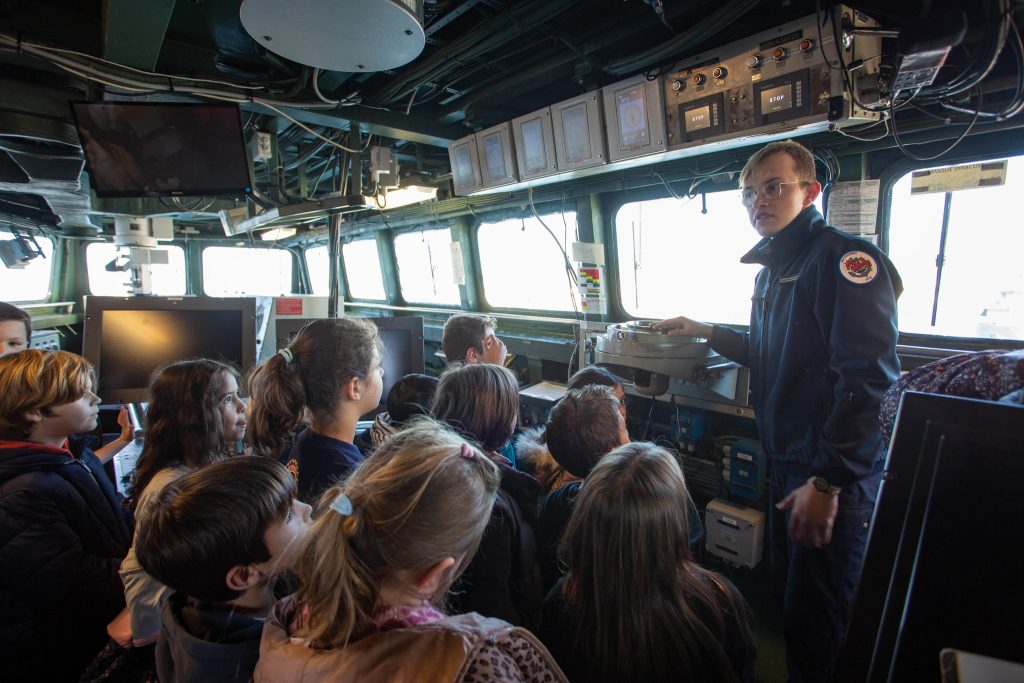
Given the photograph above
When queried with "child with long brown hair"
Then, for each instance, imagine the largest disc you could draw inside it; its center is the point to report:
(633, 605)
(504, 580)
(332, 368)
(195, 417)
(376, 566)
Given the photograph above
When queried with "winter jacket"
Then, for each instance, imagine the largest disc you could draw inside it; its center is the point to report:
(467, 648)
(821, 347)
(63, 534)
(200, 643)
(534, 458)
(503, 579)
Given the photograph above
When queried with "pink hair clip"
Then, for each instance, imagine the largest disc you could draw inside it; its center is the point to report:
(467, 451)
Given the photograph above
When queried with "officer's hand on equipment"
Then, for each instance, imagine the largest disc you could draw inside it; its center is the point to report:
(683, 327)
(812, 513)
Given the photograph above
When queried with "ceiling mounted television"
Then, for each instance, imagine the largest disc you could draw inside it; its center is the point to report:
(146, 149)
(127, 338)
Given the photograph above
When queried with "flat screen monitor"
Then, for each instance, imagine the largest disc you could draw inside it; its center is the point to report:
(403, 348)
(145, 149)
(127, 338)
(945, 559)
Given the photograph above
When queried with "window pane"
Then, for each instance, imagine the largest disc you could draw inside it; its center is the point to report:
(981, 293)
(425, 267)
(319, 270)
(675, 260)
(362, 269)
(31, 283)
(240, 271)
(165, 280)
(522, 267)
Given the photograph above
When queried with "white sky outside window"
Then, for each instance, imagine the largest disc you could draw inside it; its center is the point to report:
(362, 269)
(241, 271)
(982, 289)
(31, 283)
(675, 260)
(425, 267)
(166, 280)
(319, 270)
(522, 267)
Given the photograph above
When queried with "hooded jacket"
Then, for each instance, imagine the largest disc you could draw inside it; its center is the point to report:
(821, 347)
(62, 537)
(201, 643)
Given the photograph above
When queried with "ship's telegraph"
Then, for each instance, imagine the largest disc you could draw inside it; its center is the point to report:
(648, 358)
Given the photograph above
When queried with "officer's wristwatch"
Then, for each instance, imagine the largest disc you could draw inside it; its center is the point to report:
(821, 484)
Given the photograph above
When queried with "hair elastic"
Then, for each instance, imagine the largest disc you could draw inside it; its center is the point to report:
(467, 451)
(342, 505)
(286, 353)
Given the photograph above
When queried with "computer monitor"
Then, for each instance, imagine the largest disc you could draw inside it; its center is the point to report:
(127, 338)
(945, 559)
(403, 348)
(155, 149)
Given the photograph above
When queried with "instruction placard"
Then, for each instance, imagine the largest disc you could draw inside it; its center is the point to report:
(588, 252)
(591, 281)
(853, 206)
(458, 269)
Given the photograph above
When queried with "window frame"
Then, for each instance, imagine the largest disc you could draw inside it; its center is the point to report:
(345, 274)
(398, 269)
(52, 282)
(201, 265)
(981, 151)
(485, 305)
(163, 245)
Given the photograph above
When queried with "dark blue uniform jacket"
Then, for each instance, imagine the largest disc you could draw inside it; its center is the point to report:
(821, 347)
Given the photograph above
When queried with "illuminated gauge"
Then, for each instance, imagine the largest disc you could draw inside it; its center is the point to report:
(806, 45)
(698, 79)
(678, 85)
(778, 54)
(754, 61)
(719, 72)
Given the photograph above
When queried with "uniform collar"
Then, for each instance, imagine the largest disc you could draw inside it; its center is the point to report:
(789, 241)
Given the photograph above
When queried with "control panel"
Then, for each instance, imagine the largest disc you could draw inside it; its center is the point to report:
(780, 80)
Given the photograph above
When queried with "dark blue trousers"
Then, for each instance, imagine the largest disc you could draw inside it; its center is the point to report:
(816, 586)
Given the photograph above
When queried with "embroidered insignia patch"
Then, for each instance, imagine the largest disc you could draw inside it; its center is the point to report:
(858, 267)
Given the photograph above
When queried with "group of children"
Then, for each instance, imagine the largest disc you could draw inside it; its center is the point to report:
(429, 554)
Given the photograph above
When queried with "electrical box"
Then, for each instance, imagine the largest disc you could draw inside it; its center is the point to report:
(733, 533)
(45, 340)
(578, 125)
(497, 156)
(465, 163)
(535, 144)
(635, 118)
(747, 466)
(687, 428)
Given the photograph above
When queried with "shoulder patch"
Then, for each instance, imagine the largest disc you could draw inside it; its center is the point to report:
(859, 267)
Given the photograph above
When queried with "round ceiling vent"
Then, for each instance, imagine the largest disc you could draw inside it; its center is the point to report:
(350, 35)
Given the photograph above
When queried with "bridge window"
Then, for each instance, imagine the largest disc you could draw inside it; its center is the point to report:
(425, 267)
(31, 283)
(675, 260)
(976, 287)
(242, 271)
(165, 279)
(362, 270)
(524, 267)
(319, 269)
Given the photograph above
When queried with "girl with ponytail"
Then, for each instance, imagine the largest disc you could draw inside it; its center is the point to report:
(377, 563)
(332, 369)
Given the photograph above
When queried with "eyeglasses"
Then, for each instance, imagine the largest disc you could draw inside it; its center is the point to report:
(770, 190)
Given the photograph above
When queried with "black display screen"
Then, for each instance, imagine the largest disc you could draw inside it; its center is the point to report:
(136, 149)
(134, 343)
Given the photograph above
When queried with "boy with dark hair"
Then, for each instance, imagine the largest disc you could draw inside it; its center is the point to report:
(595, 374)
(63, 533)
(584, 426)
(410, 396)
(470, 339)
(15, 329)
(219, 537)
